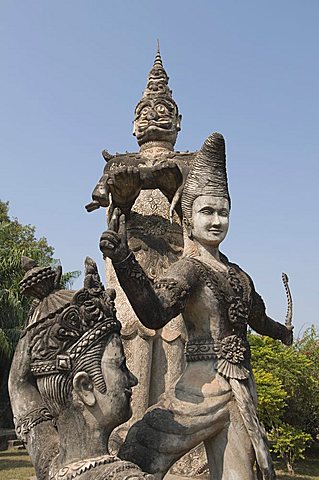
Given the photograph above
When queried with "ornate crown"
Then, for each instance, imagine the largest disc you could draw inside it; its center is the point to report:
(65, 324)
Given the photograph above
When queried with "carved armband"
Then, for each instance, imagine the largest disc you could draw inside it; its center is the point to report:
(25, 424)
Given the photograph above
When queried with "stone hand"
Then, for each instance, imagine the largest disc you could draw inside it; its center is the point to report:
(288, 338)
(113, 242)
(168, 177)
(124, 184)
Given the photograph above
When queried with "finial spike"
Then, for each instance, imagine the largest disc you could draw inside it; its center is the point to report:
(158, 59)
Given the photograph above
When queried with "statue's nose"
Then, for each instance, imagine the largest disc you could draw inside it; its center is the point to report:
(215, 219)
(151, 115)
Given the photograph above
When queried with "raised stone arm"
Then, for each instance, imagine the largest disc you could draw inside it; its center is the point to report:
(264, 325)
(154, 304)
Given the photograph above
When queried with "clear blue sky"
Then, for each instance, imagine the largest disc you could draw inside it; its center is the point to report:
(72, 72)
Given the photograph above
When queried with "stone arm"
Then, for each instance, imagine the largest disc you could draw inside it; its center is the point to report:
(155, 304)
(33, 421)
(264, 325)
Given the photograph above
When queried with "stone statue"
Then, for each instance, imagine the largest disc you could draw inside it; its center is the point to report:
(69, 384)
(144, 185)
(214, 400)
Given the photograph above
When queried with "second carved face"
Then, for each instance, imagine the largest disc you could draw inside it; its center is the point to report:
(210, 220)
(156, 120)
(115, 404)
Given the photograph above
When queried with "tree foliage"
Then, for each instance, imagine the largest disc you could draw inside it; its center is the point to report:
(287, 381)
(290, 444)
(16, 240)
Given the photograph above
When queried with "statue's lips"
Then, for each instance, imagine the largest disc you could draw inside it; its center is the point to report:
(162, 125)
(128, 392)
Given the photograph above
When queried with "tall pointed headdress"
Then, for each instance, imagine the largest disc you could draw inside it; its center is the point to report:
(157, 80)
(207, 175)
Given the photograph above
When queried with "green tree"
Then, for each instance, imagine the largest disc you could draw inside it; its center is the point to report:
(292, 372)
(16, 240)
(290, 444)
(308, 345)
(287, 382)
(271, 397)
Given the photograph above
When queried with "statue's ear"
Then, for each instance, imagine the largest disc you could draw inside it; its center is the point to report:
(83, 386)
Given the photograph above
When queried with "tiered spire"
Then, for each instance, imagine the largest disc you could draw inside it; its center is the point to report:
(157, 80)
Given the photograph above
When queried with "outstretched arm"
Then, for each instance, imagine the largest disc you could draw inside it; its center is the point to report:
(154, 304)
(261, 323)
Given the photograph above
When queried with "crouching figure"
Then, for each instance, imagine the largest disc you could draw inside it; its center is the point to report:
(69, 384)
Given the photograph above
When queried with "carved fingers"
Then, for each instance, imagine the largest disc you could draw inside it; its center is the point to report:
(168, 164)
(113, 242)
(167, 177)
(124, 184)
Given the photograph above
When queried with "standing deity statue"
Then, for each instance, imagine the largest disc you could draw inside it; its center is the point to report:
(214, 400)
(144, 185)
(69, 384)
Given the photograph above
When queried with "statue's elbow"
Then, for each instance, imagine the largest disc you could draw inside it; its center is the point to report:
(153, 321)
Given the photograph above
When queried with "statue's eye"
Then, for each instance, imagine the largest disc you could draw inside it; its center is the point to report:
(161, 108)
(145, 110)
(207, 211)
(224, 213)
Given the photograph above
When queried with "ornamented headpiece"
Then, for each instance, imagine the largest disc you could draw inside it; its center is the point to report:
(38, 281)
(157, 80)
(66, 324)
(158, 92)
(207, 175)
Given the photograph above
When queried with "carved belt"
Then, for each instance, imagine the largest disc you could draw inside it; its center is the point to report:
(229, 352)
(201, 349)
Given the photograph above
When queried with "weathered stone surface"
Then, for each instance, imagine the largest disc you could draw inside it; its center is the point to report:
(146, 186)
(214, 400)
(69, 384)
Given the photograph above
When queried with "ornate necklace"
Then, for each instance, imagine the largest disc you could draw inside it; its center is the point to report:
(238, 302)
